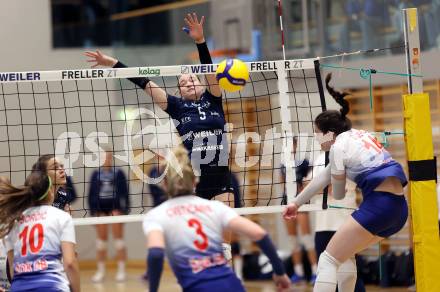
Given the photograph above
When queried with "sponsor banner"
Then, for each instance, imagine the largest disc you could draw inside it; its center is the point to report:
(132, 72)
(288, 65)
(198, 69)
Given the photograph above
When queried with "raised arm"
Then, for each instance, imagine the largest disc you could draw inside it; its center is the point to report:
(195, 31)
(158, 95)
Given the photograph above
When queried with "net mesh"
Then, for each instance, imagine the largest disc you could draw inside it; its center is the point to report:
(76, 114)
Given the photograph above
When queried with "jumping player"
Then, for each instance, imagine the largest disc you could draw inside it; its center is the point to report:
(40, 238)
(356, 155)
(198, 115)
(190, 229)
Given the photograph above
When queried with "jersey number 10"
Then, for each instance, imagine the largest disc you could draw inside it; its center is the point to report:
(28, 238)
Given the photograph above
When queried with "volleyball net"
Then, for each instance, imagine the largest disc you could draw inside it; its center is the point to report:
(78, 115)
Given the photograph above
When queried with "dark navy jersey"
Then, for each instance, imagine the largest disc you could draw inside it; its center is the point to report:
(65, 195)
(61, 199)
(201, 125)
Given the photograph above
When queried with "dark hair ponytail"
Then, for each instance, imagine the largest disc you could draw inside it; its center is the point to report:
(333, 120)
(15, 200)
(338, 96)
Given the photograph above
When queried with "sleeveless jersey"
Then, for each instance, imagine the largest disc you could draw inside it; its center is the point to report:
(36, 240)
(192, 228)
(201, 125)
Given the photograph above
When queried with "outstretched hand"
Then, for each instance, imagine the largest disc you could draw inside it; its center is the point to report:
(100, 59)
(291, 211)
(194, 27)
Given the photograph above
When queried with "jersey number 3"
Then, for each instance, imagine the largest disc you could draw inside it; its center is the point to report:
(28, 238)
(199, 244)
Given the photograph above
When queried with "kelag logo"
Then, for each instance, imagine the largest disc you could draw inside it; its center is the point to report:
(149, 71)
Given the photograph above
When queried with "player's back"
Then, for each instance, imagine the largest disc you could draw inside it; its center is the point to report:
(356, 152)
(364, 160)
(193, 230)
(36, 241)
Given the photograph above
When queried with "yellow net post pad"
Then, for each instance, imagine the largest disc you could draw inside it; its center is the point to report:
(423, 197)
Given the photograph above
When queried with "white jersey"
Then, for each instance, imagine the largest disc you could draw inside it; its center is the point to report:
(355, 152)
(36, 240)
(332, 219)
(193, 230)
(4, 282)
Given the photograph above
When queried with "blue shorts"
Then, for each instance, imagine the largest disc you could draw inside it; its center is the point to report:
(370, 180)
(108, 205)
(382, 213)
(223, 284)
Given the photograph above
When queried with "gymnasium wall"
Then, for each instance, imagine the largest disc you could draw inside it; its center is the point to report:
(25, 36)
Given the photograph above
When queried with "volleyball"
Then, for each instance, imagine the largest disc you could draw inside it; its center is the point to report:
(232, 74)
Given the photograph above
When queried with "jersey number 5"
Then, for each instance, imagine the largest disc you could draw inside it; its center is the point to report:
(199, 244)
(202, 114)
(28, 238)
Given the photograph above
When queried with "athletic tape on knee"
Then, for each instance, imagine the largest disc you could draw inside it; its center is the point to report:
(119, 244)
(294, 243)
(227, 251)
(346, 275)
(327, 268)
(308, 241)
(101, 244)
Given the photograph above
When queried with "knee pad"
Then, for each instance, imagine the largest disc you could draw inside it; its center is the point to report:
(294, 243)
(101, 244)
(227, 251)
(327, 269)
(349, 266)
(347, 274)
(308, 241)
(119, 244)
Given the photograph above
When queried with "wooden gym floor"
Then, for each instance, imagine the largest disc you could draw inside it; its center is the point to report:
(169, 283)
